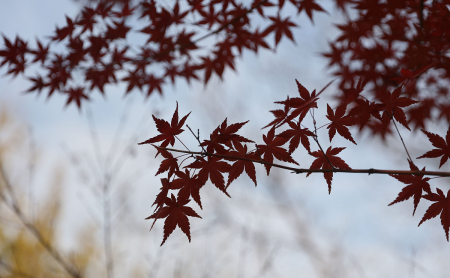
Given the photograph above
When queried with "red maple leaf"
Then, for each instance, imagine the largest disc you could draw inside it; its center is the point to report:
(335, 54)
(353, 93)
(41, 53)
(176, 212)
(229, 133)
(224, 135)
(210, 18)
(186, 43)
(154, 83)
(188, 71)
(39, 84)
(162, 195)
(134, 78)
(415, 185)
(99, 78)
(340, 4)
(297, 134)
(392, 103)
(170, 163)
(168, 131)
(421, 112)
(214, 144)
(280, 27)
(441, 206)
(339, 122)
(308, 6)
(177, 18)
(212, 168)
(14, 55)
(280, 115)
(260, 4)
(98, 43)
(272, 149)
(189, 186)
(126, 11)
(323, 162)
(238, 167)
(87, 19)
(76, 94)
(103, 9)
(301, 104)
(443, 148)
(11, 53)
(118, 56)
(364, 110)
(257, 39)
(196, 5)
(62, 33)
(210, 65)
(171, 71)
(118, 31)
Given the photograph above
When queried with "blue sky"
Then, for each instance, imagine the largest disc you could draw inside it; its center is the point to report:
(352, 229)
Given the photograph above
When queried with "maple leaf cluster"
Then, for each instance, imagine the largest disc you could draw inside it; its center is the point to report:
(390, 43)
(95, 48)
(387, 44)
(228, 153)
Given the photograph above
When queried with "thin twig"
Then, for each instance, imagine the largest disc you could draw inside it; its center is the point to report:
(81, 172)
(268, 263)
(182, 142)
(94, 138)
(304, 170)
(106, 189)
(259, 154)
(118, 132)
(107, 228)
(401, 138)
(197, 137)
(320, 147)
(31, 171)
(317, 141)
(121, 159)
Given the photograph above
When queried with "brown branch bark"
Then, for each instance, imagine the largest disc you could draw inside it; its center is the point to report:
(304, 170)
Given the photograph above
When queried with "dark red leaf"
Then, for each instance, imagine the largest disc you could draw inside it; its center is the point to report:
(440, 206)
(176, 213)
(212, 168)
(442, 147)
(168, 131)
(415, 185)
(323, 162)
(339, 122)
(238, 167)
(273, 148)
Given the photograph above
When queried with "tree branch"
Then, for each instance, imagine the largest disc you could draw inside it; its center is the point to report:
(303, 170)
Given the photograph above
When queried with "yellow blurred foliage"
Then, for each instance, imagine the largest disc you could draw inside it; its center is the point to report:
(21, 252)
